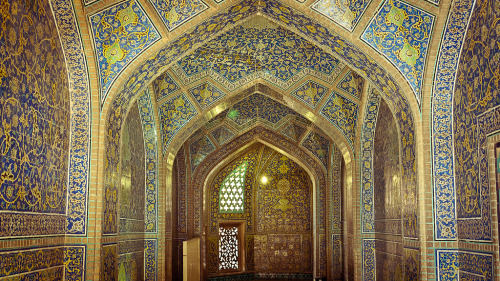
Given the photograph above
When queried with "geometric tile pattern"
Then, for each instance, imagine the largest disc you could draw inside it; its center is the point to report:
(79, 145)
(352, 84)
(243, 51)
(176, 13)
(367, 141)
(345, 13)
(318, 146)
(34, 119)
(164, 85)
(222, 134)
(151, 151)
(206, 94)
(174, 114)
(199, 149)
(442, 121)
(336, 190)
(232, 193)
(401, 33)
(310, 93)
(343, 113)
(120, 34)
(411, 259)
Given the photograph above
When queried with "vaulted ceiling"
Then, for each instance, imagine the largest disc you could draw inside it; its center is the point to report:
(255, 45)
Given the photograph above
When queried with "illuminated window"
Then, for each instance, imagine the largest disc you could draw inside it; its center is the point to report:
(230, 246)
(232, 191)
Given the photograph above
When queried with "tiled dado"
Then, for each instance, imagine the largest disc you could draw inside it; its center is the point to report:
(37, 263)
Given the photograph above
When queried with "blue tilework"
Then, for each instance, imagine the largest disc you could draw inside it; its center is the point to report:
(366, 158)
(282, 14)
(455, 265)
(79, 145)
(319, 146)
(275, 51)
(310, 93)
(293, 131)
(401, 33)
(23, 261)
(345, 13)
(176, 13)
(475, 115)
(368, 259)
(343, 114)
(222, 134)
(199, 149)
(151, 151)
(74, 260)
(206, 94)
(352, 84)
(442, 126)
(174, 114)
(150, 259)
(258, 106)
(447, 265)
(164, 85)
(120, 34)
(336, 190)
(35, 104)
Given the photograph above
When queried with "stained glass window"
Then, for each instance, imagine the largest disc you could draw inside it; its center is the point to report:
(232, 191)
(228, 248)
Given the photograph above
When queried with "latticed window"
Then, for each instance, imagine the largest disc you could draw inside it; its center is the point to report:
(228, 248)
(232, 191)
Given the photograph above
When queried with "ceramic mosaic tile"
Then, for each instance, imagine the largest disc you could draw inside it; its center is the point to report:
(199, 149)
(352, 84)
(174, 114)
(343, 113)
(271, 50)
(120, 34)
(346, 13)
(151, 165)
(164, 85)
(175, 13)
(222, 134)
(318, 146)
(442, 120)
(206, 94)
(310, 93)
(402, 33)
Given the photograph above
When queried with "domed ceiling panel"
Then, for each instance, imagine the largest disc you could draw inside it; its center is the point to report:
(164, 85)
(174, 114)
(402, 33)
(175, 13)
(256, 49)
(293, 131)
(199, 150)
(351, 84)
(318, 145)
(222, 134)
(343, 113)
(120, 34)
(310, 93)
(345, 13)
(258, 106)
(206, 94)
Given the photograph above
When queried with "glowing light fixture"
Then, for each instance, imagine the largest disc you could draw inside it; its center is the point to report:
(263, 180)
